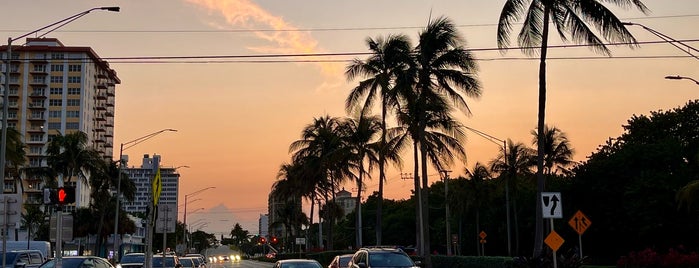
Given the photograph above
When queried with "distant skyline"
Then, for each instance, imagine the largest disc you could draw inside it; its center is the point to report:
(237, 116)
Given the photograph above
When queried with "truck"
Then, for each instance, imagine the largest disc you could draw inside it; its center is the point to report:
(43, 246)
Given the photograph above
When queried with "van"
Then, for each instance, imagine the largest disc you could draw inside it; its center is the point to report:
(23, 258)
(43, 246)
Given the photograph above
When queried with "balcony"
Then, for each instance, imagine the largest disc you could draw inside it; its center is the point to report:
(107, 145)
(100, 117)
(101, 96)
(109, 123)
(36, 106)
(39, 81)
(110, 92)
(35, 117)
(39, 59)
(99, 107)
(109, 104)
(38, 94)
(109, 134)
(109, 113)
(38, 71)
(35, 129)
(102, 85)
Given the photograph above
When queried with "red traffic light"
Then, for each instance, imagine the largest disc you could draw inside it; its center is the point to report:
(263, 240)
(65, 195)
(274, 240)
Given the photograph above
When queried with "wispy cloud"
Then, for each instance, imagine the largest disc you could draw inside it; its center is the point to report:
(248, 15)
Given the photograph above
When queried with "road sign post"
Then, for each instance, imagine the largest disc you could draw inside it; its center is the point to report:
(579, 222)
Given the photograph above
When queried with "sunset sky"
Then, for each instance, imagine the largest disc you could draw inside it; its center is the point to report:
(237, 116)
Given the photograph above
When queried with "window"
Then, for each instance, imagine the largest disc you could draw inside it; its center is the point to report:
(57, 67)
(12, 114)
(36, 137)
(39, 80)
(37, 115)
(73, 114)
(35, 149)
(56, 79)
(56, 91)
(57, 56)
(54, 125)
(73, 79)
(55, 114)
(74, 91)
(74, 68)
(73, 102)
(40, 68)
(72, 125)
(55, 102)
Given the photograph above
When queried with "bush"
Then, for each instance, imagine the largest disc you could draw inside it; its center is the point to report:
(649, 258)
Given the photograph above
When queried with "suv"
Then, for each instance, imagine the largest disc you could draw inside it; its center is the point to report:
(168, 261)
(132, 260)
(381, 257)
(23, 258)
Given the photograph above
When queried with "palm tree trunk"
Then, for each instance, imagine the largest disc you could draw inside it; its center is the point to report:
(418, 203)
(382, 174)
(516, 222)
(310, 220)
(425, 205)
(539, 232)
(98, 242)
(358, 209)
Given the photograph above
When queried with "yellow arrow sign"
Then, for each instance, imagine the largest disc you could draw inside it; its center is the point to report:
(157, 187)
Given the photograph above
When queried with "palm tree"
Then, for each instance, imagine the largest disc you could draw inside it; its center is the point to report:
(70, 157)
(32, 217)
(16, 158)
(322, 150)
(359, 134)
(384, 71)
(102, 181)
(571, 19)
(479, 194)
(445, 72)
(558, 152)
(514, 161)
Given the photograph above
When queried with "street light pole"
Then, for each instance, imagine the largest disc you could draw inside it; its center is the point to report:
(677, 77)
(6, 93)
(184, 220)
(121, 172)
(668, 39)
(507, 180)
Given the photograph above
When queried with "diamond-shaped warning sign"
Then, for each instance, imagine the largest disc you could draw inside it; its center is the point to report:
(554, 241)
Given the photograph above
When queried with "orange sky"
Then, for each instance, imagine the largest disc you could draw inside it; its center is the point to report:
(235, 121)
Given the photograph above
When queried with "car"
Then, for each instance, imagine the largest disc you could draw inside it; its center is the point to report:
(297, 263)
(79, 262)
(341, 261)
(202, 259)
(198, 262)
(383, 257)
(167, 261)
(27, 258)
(188, 262)
(132, 260)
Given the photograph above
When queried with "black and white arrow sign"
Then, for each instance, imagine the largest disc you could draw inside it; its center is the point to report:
(551, 205)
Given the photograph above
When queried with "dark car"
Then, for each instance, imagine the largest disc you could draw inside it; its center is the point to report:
(381, 258)
(132, 260)
(169, 261)
(79, 262)
(297, 263)
(28, 258)
(341, 261)
(188, 262)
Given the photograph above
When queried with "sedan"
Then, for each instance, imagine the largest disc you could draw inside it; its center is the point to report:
(341, 261)
(297, 263)
(79, 262)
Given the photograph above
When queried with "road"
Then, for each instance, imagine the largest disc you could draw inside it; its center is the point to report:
(240, 264)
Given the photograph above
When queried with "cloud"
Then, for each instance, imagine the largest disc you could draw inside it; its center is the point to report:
(284, 40)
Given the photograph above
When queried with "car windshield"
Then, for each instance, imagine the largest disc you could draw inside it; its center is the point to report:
(389, 259)
(10, 258)
(300, 265)
(186, 262)
(65, 263)
(158, 262)
(136, 258)
(344, 261)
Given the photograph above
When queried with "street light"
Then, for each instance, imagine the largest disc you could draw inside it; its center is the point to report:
(184, 220)
(507, 180)
(677, 77)
(667, 39)
(128, 144)
(190, 201)
(6, 93)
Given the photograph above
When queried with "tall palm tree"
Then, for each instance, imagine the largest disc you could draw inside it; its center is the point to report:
(32, 217)
(322, 148)
(16, 157)
(384, 71)
(479, 193)
(513, 162)
(571, 19)
(558, 152)
(360, 132)
(445, 74)
(70, 157)
(102, 181)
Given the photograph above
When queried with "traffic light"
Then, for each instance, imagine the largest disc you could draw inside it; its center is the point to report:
(263, 240)
(65, 195)
(274, 240)
(49, 196)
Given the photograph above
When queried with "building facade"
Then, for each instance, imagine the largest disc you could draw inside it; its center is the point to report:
(345, 200)
(142, 176)
(56, 89)
(263, 225)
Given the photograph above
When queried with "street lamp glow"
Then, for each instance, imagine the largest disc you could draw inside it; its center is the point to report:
(128, 144)
(6, 93)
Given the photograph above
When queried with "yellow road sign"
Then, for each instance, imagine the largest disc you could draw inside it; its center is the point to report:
(482, 235)
(554, 241)
(157, 187)
(579, 222)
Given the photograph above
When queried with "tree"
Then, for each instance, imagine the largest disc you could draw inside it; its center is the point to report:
(359, 134)
(479, 193)
(15, 157)
(71, 158)
(571, 19)
(385, 71)
(558, 153)
(239, 235)
(32, 217)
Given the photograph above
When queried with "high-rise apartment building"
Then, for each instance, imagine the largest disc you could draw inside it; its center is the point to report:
(142, 176)
(56, 89)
